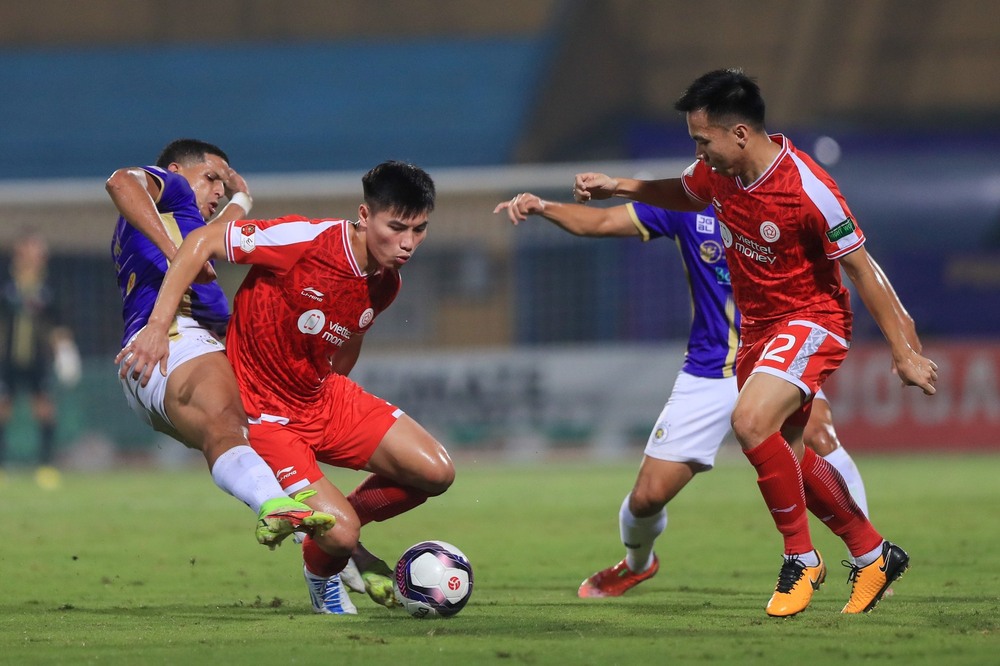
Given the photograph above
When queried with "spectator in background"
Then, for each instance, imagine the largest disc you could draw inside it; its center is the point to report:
(33, 343)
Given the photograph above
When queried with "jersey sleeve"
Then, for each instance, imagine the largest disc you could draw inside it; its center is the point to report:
(651, 221)
(840, 232)
(275, 244)
(174, 189)
(696, 180)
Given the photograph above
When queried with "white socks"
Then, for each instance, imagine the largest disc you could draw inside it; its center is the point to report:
(244, 475)
(842, 461)
(638, 535)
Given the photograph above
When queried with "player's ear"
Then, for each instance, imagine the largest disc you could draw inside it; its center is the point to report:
(174, 166)
(363, 213)
(742, 133)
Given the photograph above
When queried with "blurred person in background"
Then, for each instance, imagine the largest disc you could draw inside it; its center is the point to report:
(300, 317)
(34, 345)
(196, 400)
(787, 231)
(695, 420)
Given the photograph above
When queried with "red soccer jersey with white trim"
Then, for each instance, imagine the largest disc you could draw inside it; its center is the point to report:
(783, 234)
(303, 298)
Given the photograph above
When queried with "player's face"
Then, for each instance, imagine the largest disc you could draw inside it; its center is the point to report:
(715, 145)
(391, 239)
(207, 181)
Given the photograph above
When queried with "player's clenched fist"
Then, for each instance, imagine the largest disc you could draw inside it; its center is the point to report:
(587, 186)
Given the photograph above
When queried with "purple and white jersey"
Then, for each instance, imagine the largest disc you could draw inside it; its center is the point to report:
(714, 337)
(141, 266)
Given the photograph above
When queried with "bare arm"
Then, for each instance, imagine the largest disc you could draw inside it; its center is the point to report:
(151, 345)
(667, 193)
(890, 315)
(577, 219)
(134, 193)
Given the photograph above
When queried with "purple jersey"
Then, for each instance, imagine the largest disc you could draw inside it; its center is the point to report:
(141, 266)
(711, 349)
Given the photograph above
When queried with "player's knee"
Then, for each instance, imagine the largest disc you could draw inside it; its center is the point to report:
(341, 539)
(749, 428)
(645, 501)
(439, 478)
(821, 440)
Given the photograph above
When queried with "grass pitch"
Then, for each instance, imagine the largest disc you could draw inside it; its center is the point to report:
(142, 567)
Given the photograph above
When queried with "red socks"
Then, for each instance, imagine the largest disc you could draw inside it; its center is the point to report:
(378, 498)
(780, 482)
(829, 500)
(320, 562)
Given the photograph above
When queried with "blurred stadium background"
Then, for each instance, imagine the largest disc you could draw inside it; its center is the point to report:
(519, 341)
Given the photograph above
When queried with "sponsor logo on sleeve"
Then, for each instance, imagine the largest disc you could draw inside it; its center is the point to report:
(845, 228)
(248, 238)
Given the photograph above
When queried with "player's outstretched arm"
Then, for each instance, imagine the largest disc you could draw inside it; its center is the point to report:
(880, 298)
(574, 218)
(150, 347)
(667, 193)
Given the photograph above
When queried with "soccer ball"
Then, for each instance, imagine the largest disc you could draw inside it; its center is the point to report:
(433, 579)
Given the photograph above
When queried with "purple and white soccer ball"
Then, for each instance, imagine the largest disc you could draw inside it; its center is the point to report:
(433, 579)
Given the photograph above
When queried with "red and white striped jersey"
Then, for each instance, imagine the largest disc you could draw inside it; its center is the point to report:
(783, 234)
(304, 297)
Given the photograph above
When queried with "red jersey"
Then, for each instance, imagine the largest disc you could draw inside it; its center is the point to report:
(304, 297)
(783, 234)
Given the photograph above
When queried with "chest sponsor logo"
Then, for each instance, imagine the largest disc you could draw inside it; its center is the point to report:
(313, 294)
(769, 231)
(366, 317)
(705, 224)
(710, 251)
(746, 246)
(845, 228)
(248, 238)
(311, 322)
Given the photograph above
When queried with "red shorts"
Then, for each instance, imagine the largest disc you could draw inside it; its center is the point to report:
(343, 429)
(802, 353)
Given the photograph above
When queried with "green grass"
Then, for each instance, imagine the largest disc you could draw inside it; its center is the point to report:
(140, 567)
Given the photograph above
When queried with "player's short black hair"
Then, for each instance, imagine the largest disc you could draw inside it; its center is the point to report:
(187, 151)
(402, 188)
(725, 95)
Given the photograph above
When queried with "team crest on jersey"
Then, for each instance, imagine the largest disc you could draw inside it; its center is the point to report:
(705, 224)
(727, 235)
(769, 231)
(710, 251)
(248, 238)
(366, 317)
(311, 322)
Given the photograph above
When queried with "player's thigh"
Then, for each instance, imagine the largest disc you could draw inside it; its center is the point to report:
(763, 405)
(412, 456)
(694, 422)
(202, 401)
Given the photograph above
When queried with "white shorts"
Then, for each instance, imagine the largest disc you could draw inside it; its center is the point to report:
(190, 341)
(695, 420)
